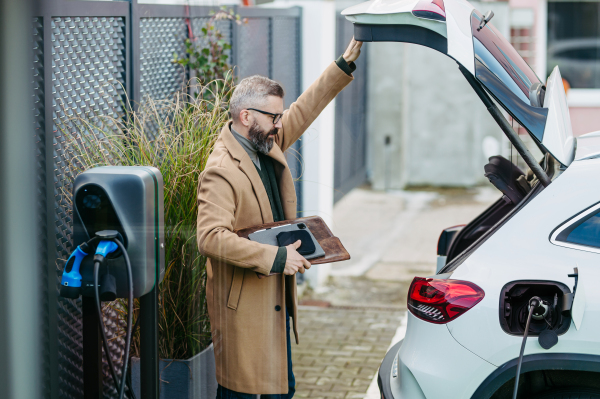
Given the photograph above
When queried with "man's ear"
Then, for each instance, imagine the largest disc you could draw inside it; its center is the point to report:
(245, 118)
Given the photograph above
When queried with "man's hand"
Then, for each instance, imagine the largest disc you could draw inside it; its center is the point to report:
(353, 51)
(295, 262)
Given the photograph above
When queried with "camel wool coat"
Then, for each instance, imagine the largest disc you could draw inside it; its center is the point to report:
(247, 314)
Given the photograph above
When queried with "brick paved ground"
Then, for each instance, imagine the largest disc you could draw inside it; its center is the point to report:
(340, 350)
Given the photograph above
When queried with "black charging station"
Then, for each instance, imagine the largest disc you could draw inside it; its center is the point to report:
(128, 200)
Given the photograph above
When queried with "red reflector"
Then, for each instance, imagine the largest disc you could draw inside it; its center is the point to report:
(441, 301)
(430, 9)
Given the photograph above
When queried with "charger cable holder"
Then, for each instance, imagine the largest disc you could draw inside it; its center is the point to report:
(128, 200)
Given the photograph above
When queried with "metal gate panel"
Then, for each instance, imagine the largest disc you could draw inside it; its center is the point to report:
(224, 26)
(253, 48)
(88, 74)
(160, 77)
(285, 55)
(160, 38)
(350, 162)
(285, 68)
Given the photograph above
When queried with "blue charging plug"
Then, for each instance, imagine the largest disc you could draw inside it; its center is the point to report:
(106, 247)
(108, 283)
(71, 278)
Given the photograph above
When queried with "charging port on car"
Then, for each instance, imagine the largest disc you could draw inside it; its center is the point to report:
(514, 300)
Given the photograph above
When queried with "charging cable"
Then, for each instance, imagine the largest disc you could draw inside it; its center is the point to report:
(534, 303)
(109, 244)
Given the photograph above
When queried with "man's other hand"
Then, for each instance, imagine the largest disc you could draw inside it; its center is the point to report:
(295, 262)
(353, 51)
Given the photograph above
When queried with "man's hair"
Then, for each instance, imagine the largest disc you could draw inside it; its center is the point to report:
(252, 92)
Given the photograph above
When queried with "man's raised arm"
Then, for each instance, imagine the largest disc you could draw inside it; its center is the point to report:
(311, 103)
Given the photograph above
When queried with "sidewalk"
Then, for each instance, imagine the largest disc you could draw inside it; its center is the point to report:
(392, 237)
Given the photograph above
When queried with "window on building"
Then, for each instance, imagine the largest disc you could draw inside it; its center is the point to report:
(574, 42)
(522, 36)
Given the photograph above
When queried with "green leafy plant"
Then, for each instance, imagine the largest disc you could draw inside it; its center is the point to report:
(206, 54)
(176, 136)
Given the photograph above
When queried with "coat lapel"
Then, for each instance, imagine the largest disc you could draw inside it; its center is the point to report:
(277, 155)
(247, 166)
(286, 183)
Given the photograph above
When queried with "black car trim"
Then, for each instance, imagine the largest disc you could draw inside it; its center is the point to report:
(401, 33)
(459, 259)
(499, 206)
(536, 189)
(385, 370)
(536, 362)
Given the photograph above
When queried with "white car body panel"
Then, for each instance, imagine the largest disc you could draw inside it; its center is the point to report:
(443, 378)
(521, 250)
(457, 27)
(405, 18)
(381, 7)
(588, 146)
(579, 305)
(460, 39)
(558, 135)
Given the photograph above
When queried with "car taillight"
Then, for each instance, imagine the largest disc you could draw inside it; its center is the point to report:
(441, 301)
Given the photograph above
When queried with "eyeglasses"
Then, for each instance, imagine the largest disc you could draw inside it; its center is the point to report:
(276, 117)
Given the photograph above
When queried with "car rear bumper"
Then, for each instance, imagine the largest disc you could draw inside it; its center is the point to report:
(384, 375)
(395, 380)
(430, 364)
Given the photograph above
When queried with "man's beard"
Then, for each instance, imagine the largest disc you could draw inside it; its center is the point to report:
(263, 141)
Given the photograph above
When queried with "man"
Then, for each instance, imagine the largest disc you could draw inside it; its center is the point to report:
(247, 182)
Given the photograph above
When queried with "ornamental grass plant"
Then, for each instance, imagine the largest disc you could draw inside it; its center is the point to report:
(176, 136)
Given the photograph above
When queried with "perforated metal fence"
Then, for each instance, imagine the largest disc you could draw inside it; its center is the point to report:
(92, 59)
(37, 80)
(350, 162)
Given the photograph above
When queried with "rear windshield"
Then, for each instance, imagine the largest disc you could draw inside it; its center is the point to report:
(506, 75)
(505, 62)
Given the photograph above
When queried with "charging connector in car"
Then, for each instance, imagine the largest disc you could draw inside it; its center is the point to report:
(514, 307)
(535, 307)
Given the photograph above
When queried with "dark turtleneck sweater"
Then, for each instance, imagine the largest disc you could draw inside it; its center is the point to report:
(266, 171)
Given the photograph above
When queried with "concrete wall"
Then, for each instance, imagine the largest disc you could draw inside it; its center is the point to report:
(440, 132)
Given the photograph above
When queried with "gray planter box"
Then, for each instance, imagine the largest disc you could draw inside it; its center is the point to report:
(192, 378)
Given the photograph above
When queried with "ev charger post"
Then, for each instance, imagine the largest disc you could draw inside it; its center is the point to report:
(130, 200)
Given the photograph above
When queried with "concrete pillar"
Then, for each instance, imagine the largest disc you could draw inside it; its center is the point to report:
(386, 114)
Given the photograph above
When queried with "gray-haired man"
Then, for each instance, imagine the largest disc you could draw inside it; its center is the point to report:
(247, 182)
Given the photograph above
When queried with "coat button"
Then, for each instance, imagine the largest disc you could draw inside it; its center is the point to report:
(277, 308)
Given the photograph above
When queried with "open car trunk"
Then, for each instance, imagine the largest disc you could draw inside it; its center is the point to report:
(487, 60)
(483, 226)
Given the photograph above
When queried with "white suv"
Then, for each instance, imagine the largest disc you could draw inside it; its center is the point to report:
(531, 259)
